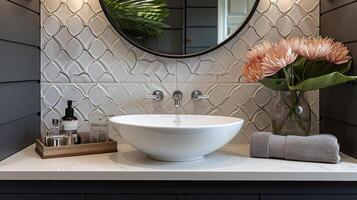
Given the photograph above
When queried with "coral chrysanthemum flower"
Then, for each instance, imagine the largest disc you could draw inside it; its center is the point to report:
(339, 54)
(320, 49)
(280, 56)
(259, 51)
(252, 70)
(312, 49)
(266, 59)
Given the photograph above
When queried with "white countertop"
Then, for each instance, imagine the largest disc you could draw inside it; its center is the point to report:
(231, 163)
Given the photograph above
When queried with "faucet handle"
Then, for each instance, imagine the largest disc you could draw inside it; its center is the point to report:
(157, 95)
(198, 96)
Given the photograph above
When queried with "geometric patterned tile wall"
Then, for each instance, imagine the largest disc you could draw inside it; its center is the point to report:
(84, 59)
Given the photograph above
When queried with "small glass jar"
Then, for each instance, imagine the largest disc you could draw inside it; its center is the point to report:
(54, 136)
(56, 127)
(99, 128)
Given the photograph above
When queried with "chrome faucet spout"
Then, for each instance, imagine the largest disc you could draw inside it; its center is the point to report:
(177, 96)
(177, 103)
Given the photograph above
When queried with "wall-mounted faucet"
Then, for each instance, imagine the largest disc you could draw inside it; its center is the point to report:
(198, 96)
(177, 96)
(157, 95)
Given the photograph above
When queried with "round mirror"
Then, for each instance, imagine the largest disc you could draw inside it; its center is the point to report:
(178, 28)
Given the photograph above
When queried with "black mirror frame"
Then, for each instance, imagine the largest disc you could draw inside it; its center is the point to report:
(181, 56)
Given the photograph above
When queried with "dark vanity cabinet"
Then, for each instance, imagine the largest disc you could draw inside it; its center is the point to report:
(176, 190)
(173, 197)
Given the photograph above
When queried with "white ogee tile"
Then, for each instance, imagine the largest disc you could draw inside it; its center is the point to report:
(74, 5)
(97, 25)
(109, 75)
(86, 14)
(51, 5)
(74, 25)
(62, 13)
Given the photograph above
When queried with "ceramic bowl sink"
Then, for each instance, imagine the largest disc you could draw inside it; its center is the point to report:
(177, 137)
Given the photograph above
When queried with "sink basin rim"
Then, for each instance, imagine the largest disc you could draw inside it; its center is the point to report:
(230, 121)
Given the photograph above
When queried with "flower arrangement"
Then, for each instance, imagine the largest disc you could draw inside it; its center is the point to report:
(291, 67)
(298, 64)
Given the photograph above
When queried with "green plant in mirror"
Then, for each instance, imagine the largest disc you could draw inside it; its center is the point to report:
(141, 19)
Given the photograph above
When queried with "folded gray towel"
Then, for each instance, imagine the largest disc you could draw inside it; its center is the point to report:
(316, 148)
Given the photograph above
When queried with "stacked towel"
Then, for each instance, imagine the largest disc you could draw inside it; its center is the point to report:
(316, 148)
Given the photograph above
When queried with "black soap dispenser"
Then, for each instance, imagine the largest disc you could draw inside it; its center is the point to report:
(70, 125)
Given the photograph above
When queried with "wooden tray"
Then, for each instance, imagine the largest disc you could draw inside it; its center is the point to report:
(75, 150)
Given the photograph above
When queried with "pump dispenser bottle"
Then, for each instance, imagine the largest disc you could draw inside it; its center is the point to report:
(70, 125)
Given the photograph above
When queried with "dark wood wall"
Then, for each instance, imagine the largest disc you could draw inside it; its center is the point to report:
(19, 74)
(338, 105)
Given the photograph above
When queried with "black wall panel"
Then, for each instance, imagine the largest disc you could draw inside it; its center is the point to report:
(328, 5)
(340, 23)
(338, 104)
(346, 134)
(18, 134)
(29, 4)
(19, 24)
(15, 69)
(19, 75)
(22, 99)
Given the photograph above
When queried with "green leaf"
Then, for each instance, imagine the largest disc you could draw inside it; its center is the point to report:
(324, 81)
(275, 83)
(139, 18)
(305, 69)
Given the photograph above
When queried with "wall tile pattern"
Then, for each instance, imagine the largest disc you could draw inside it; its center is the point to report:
(84, 59)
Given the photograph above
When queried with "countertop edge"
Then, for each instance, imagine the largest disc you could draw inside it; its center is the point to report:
(180, 176)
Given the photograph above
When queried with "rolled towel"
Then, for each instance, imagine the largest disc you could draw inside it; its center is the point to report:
(316, 148)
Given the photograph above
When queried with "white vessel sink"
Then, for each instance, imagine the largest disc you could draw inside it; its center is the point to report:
(177, 137)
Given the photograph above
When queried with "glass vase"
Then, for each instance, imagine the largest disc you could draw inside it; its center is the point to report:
(291, 114)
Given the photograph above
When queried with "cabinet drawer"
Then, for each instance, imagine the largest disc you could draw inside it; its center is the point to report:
(130, 197)
(308, 197)
(40, 197)
(218, 197)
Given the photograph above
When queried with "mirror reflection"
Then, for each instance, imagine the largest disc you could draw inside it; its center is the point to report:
(177, 27)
